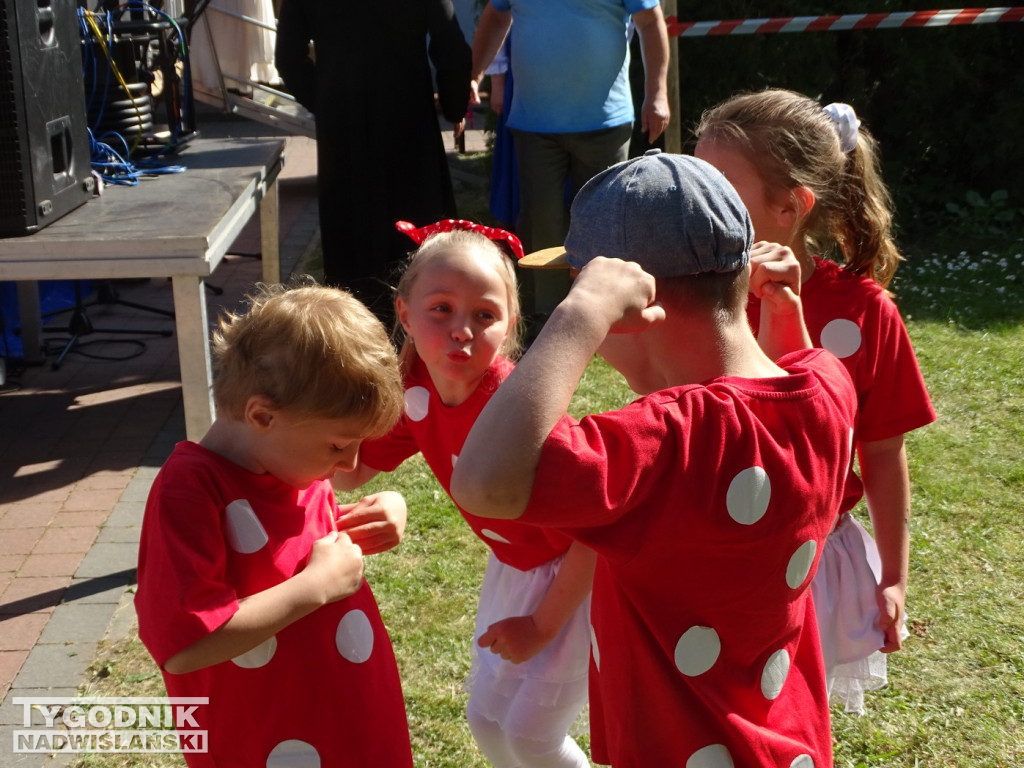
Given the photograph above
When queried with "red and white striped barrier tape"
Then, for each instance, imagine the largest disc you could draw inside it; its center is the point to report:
(941, 18)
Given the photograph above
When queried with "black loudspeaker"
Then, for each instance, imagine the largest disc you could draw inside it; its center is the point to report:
(45, 167)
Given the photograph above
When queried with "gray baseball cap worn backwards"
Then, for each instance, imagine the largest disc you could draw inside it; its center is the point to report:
(674, 215)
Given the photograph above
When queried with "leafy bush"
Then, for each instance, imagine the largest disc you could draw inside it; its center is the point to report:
(986, 215)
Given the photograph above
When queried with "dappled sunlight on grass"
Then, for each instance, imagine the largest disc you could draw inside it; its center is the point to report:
(971, 288)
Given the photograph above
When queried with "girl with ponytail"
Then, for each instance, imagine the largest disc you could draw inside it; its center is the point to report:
(810, 177)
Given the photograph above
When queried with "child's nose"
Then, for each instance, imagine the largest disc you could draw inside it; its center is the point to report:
(461, 330)
(347, 462)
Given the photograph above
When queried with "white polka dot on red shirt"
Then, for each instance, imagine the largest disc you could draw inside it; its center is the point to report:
(841, 337)
(800, 563)
(417, 403)
(354, 638)
(244, 530)
(259, 656)
(293, 753)
(803, 761)
(748, 495)
(697, 651)
(776, 670)
(714, 756)
(494, 536)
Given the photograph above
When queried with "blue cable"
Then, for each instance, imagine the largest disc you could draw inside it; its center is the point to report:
(115, 169)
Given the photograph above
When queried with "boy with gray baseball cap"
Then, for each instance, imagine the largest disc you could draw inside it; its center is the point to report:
(672, 214)
(708, 499)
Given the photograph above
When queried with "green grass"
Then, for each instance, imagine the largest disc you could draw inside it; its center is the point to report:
(956, 691)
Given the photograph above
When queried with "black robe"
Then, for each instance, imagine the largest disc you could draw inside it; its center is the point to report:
(380, 154)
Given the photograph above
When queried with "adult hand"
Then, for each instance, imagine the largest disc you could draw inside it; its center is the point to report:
(654, 117)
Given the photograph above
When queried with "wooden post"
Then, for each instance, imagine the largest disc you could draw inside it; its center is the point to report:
(673, 134)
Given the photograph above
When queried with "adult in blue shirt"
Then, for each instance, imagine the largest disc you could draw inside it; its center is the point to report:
(571, 114)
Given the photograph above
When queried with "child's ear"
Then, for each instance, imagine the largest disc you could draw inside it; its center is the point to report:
(800, 202)
(259, 412)
(402, 311)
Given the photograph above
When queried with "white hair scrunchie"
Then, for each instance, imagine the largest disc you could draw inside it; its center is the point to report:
(846, 123)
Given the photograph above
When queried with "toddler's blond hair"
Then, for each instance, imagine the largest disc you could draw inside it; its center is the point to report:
(312, 350)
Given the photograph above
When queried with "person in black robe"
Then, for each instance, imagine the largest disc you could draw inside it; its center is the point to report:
(380, 154)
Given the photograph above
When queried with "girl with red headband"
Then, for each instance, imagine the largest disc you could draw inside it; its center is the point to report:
(458, 308)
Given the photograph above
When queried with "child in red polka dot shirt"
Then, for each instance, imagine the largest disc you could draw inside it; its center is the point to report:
(708, 499)
(810, 177)
(251, 590)
(457, 306)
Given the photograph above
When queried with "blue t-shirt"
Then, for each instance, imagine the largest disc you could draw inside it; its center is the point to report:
(570, 62)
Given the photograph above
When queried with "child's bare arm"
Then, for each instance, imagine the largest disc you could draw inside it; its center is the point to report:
(883, 466)
(496, 468)
(775, 280)
(519, 638)
(498, 93)
(357, 477)
(376, 522)
(334, 572)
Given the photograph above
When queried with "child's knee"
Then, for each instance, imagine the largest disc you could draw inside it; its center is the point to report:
(490, 738)
(563, 752)
(477, 720)
(527, 749)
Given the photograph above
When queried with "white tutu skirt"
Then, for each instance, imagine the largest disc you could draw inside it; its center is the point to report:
(540, 698)
(844, 590)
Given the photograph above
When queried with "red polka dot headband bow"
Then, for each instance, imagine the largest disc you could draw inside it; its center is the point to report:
(500, 236)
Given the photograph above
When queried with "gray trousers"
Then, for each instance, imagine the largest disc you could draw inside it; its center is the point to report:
(552, 168)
